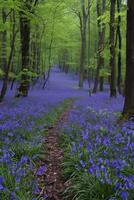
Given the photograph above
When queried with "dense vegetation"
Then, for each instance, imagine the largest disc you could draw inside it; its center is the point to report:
(75, 56)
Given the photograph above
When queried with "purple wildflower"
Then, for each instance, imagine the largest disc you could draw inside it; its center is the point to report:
(41, 170)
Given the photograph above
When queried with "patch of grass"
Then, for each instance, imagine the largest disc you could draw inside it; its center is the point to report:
(85, 186)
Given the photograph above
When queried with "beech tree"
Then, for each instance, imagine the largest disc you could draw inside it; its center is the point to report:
(83, 17)
(129, 86)
(7, 63)
(119, 35)
(101, 37)
(25, 29)
(113, 82)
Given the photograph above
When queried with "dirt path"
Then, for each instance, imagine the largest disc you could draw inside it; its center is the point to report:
(54, 181)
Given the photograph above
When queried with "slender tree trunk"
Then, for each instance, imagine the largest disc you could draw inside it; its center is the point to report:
(101, 32)
(83, 55)
(83, 27)
(7, 65)
(129, 86)
(33, 51)
(89, 30)
(88, 56)
(25, 47)
(25, 40)
(101, 83)
(50, 48)
(96, 81)
(4, 55)
(112, 50)
(119, 78)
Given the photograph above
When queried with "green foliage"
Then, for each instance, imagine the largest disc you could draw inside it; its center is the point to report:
(10, 4)
(104, 73)
(55, 34)
(1, 73)
(12, 75)
(27, 73)
(86, 187)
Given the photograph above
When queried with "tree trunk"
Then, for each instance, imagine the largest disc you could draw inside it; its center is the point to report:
(4, 55)
(101, 84)
(103, 61)
(101, 33)
(25, 40)
(83, 26)
(7, 65)
(88, 48)
(112, 50)
(50, 48)
(129, 86)
(89, 30)
(25, 43)
(119, 78)
(82, 59)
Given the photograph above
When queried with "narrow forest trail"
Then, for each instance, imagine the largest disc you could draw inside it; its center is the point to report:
(54, 184)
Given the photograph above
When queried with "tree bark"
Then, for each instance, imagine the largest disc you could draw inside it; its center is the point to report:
(89, 30)
(101, 84)
(101, 33)
(83, 27)
(25, 46)
(7, 65)
(119, 78)
(82, 59)
(129, 86)
(112, 50)
(25, 40)
(4, 55)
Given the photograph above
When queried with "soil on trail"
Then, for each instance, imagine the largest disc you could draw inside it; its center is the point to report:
(55, 183)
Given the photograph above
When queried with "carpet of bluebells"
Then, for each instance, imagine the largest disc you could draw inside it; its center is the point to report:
(99, 152)
(23, 122)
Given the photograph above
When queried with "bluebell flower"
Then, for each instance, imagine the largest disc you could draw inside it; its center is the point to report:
(18, 179)
(82, 163)
(124, 195)
(74, 147)
(36, 189)
(24, 159)
(12, 196)
(41, 170)
(45, 196)
(80, 144)
(2, 187)
(11, 134)
(85, 134)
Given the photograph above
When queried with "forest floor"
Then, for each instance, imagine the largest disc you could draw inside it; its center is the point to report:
(63, 125)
